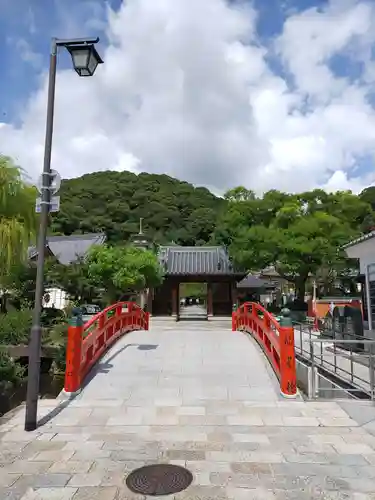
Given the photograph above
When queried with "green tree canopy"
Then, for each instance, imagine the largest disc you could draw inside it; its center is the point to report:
(299, 234)
(113, 202)
(17, 216)
(120, 270)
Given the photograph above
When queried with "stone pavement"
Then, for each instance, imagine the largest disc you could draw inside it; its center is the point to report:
(196, 395)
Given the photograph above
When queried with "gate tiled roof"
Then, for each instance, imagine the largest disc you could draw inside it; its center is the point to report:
(178, 260)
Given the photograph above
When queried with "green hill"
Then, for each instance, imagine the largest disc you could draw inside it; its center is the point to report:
(113, 202)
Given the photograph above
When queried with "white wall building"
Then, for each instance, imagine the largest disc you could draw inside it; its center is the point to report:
(363, 249)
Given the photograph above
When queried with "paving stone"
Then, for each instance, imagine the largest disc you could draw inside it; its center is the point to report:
(50, 494)
(326, 439)
(191, 410)
(352, 460)
(202, 420)
(184, 455)
(251, 468)
(97, 493)
(53, 456)
(307, 458)
(243, 456)
(250, 494)
(94, 446)
(28, 467)
(88, 479)
(141, 454)
(251, 420)
(205, 466)
(12, 493)
(337, 422)
(300, 421)
(309, 469)
(41, 445)
(251, 438)
(361, 485)
(71, 467)
(113, 478)
(7, 478)
(43, 480)
(90, 453)
(354, 448)
(196, 492)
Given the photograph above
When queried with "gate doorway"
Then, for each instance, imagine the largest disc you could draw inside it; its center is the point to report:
(193, 303)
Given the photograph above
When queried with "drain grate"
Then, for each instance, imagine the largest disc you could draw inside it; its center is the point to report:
(159, 479)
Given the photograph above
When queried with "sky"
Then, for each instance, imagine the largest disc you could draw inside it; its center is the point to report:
(268, 94)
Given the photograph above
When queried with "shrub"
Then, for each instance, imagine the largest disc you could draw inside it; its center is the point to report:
(10, 371)
(57, 337)
(15, 327)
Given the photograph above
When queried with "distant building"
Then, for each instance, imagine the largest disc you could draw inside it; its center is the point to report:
(363, 249)
(201, 264)
(67, 250)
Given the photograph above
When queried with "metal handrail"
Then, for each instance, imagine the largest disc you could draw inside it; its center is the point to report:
(353, 377)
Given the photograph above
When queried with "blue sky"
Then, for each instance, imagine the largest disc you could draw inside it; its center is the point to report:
(36, 21)
(280, 93)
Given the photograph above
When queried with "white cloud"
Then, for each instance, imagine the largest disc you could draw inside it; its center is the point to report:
(26, 52)
(186, 89)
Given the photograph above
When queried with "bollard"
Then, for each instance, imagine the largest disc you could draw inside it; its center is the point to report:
(73, 354)
(147, 321)
(288, 375)
(234, 321)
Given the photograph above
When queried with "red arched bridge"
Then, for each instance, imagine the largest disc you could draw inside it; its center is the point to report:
(88, 347)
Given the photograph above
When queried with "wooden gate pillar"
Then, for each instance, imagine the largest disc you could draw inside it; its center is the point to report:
(210, 310)
(175, 307)
(234, 294)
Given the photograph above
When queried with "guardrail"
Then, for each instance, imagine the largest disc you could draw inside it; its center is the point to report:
(356, 369)
(88, 342)
(275, 338)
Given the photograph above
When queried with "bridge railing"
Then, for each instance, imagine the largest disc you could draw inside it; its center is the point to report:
(275, 338)
(88, 342)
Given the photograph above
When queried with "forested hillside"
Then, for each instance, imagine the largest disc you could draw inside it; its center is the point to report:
(301, 234)
(113, 202)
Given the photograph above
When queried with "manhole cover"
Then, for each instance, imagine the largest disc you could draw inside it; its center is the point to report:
(159, 479)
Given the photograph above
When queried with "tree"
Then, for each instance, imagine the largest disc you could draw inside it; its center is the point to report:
(300, 235)
(120, 270)
(18, 219)
(239, 194)
(74, 279)
(113, 202)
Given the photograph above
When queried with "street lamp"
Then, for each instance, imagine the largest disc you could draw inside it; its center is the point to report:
(85, 61)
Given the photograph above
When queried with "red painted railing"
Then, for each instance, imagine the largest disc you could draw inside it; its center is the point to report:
(276, 340)
(88, 342)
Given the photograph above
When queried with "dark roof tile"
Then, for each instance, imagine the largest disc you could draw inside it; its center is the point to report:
(179, 260)
(68, 249)
(251, 281)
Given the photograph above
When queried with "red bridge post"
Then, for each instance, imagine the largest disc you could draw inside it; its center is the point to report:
(288, 376)
(147, 320)
(73, 355)
(234, 321)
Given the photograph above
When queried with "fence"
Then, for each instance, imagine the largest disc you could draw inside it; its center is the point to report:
(275, 338)
(338, 357)
(88, 342)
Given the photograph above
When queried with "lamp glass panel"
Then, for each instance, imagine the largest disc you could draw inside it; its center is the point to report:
(83, 72)
(80, 57)
(93, 62)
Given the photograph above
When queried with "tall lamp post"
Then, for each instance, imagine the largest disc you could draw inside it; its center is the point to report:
(85, 60)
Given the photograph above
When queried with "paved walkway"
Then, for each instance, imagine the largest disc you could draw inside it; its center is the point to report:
(197, 395)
